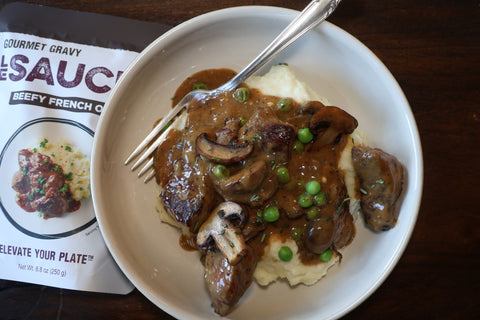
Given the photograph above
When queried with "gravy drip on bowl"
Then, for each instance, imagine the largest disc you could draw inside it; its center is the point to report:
(271, 157)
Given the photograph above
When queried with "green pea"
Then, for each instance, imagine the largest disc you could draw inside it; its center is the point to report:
(271, 214)
(312, 213)
(199, 86)
(326, 255)
(284, 105)
(220, 171)
(298, 147)
(285, 253)
(305, 200)
(305, 135)
(241, 94)
(313, 187)
(297, 233)
(319, 199)
(283, 175)
(243, 121)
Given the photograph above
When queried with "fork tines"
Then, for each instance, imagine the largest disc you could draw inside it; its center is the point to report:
(161, 127)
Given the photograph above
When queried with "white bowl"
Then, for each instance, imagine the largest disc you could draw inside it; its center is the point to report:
(335, 65)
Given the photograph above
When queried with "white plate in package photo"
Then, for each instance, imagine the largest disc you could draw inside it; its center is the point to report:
(28, 136)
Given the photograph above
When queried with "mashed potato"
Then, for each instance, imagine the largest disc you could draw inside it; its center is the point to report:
(345, 164)
(281, 82)
(71, 160)
(271, 268)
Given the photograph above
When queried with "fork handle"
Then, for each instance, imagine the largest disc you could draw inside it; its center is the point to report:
(313, 14)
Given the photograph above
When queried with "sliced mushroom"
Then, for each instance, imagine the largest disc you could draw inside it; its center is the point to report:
(246, 180)
(310, 107)
(220, 153)
(253, 185)
(345, 230)
(319, 235)
(302, 116)
(219, 227)
(330, 123)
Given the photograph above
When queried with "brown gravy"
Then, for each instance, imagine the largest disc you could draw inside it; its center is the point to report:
(177, 158)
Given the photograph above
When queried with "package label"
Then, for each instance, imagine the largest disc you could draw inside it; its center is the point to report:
(51, 96)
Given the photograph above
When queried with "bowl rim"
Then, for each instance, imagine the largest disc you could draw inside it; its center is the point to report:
(207, 19)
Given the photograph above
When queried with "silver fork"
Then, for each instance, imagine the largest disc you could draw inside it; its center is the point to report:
(313, 14)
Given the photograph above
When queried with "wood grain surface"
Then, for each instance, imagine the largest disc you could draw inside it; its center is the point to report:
(432, 47)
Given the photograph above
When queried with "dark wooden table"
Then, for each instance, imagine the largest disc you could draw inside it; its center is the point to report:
(432, 47)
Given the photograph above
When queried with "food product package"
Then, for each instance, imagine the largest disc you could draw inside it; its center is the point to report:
(57, 68)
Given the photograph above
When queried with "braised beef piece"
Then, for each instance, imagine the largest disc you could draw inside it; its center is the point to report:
(380, 177)
(252, 225)
(184, 191)
(18, 182)
(334, 228)
(186, 198)
(226, 283)
(271, 134)
(229, 133)
(42, 186)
